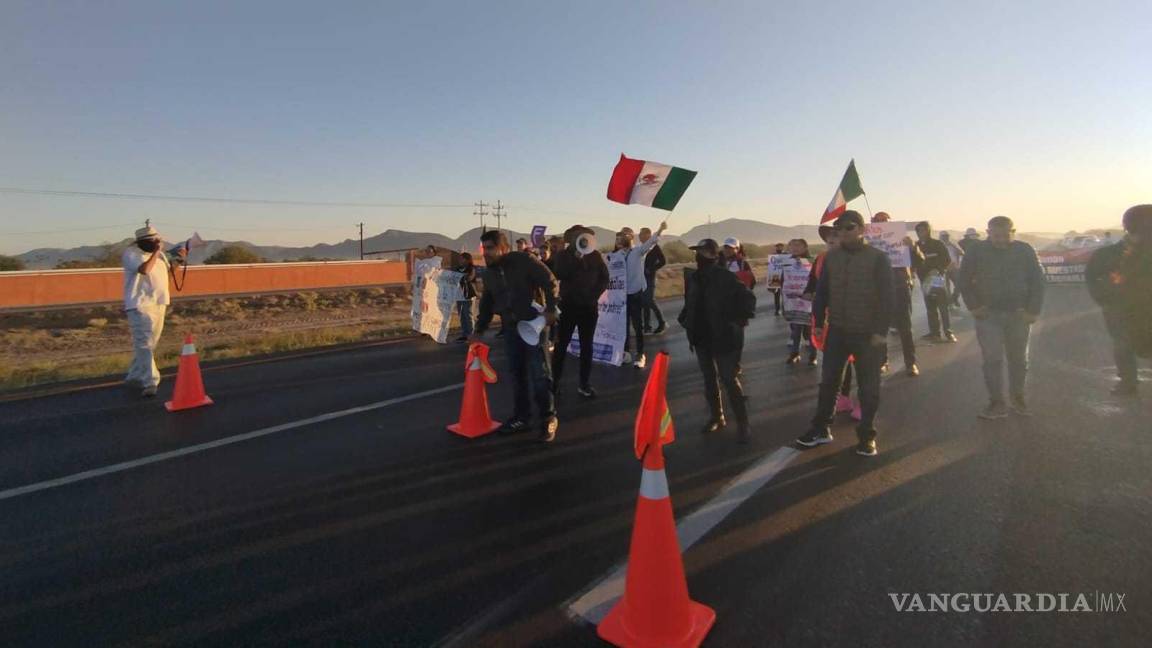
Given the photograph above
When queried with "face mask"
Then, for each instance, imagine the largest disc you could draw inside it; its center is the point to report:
(149, 245)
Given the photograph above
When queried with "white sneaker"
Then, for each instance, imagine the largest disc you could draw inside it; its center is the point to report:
(641, 361)
(626, 357)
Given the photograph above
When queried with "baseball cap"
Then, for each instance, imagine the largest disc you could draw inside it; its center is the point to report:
(731, 242)
(849, 217)
(708, 248)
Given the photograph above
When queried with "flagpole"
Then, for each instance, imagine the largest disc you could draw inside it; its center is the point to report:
(868, 206)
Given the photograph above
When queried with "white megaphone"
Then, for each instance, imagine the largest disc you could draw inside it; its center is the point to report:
(529, 330)
(585, 243)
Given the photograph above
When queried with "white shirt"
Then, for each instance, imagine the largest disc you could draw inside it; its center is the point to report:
(634, 265)
(144, 290)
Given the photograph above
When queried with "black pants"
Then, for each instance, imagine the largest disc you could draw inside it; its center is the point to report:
(936, 302)
(636, 319)
(777, 295)
(1127, 367)
(531, 375)
(902, 321)
(723, 369)
(837, 347)
(650, 305)
(580, 318)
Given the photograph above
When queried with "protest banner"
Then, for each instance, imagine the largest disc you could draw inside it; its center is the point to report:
(889, 237)
(611, 328)
(797, 309)
(434, 295)
(1063, 267)
(776, 265)
(538, 235)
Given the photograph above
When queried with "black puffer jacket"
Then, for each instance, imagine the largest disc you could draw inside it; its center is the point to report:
(717, 307)
(511, 286)
(1119, 278)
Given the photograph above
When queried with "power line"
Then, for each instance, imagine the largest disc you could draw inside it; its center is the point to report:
(247, 201)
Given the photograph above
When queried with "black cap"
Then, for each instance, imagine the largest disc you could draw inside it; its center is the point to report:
(847, 217)
(707, 248)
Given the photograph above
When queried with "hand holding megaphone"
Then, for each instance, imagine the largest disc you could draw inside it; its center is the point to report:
(585, 243)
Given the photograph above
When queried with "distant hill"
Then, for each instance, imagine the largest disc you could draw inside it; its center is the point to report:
(748, 231)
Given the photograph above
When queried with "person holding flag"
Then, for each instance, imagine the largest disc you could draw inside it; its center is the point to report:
(717, 307)
(146, 299)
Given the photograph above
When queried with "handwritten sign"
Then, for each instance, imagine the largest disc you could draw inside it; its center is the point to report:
(889, 237)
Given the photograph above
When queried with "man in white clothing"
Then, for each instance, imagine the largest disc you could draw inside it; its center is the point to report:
(146, 301)
(635, 284)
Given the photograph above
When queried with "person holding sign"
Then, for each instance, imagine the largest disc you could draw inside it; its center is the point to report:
(513, 284)
(797, 306)
(901, 307)
(776, 275)
(931, 262)
(855, 290)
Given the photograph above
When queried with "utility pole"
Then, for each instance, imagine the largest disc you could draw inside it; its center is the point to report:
(479, 211)
(361, 241)
(499, 212)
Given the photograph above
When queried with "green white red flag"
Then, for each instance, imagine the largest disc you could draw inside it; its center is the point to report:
(640, 182)
(849, 190)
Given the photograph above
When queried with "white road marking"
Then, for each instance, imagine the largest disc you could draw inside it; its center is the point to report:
(201, 447)
(593, 604)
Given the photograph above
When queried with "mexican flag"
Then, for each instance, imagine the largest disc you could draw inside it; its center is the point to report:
(639, 182)
(848, 191)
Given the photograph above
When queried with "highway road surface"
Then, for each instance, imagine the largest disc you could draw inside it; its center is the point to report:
(320, 501)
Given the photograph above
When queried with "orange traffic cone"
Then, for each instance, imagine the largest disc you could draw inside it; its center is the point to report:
(189, 391)
(655, 610)
(474, 418)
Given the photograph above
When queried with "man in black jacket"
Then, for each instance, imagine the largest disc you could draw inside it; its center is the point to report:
(653, 261)
(1119, 278)
(931, 260)
(717, 307)
(1003, 286)
(855, 290)
(582, 280)
(512, 283)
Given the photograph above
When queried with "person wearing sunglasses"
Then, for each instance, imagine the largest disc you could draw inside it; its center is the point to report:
(855, 290)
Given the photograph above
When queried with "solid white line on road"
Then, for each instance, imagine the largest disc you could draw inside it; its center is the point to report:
(593, 604)
(201, 447)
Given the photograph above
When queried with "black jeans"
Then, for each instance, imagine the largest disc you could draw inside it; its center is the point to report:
(531, 375)
(1127, 367)
(723, 368)
(837, 347)
(777, 296)
(650, 306)
(636, 319)
(937, 302)
(580, 318)
(902, 321)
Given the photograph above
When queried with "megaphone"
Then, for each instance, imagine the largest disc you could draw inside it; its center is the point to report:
(585, 243)
(530, 330)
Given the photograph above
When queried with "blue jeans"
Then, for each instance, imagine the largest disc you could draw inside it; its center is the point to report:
(531, 374)
(1004, 335)
(464, 307)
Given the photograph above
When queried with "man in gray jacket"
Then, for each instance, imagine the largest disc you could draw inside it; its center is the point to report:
(1003, 286)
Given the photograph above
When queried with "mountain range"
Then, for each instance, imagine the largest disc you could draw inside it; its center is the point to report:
(748, 231)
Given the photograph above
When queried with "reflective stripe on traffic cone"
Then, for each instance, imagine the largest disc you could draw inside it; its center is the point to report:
(189, 391)
(655, 610)
(474, 417)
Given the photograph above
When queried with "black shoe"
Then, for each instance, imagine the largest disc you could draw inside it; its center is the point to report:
(815, 437)
(812, 361)
(793, 358)
(949, 337)
(647, 329)
(586, 391)
(713, 426)
(660, 328)
(866, 448)
(1126, 388)
(1019, 407)
(513, 426)
(548, 429)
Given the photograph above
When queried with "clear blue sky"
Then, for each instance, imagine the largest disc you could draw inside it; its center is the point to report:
(954, 112)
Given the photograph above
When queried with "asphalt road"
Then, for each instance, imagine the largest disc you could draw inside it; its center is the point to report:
(375, 526)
